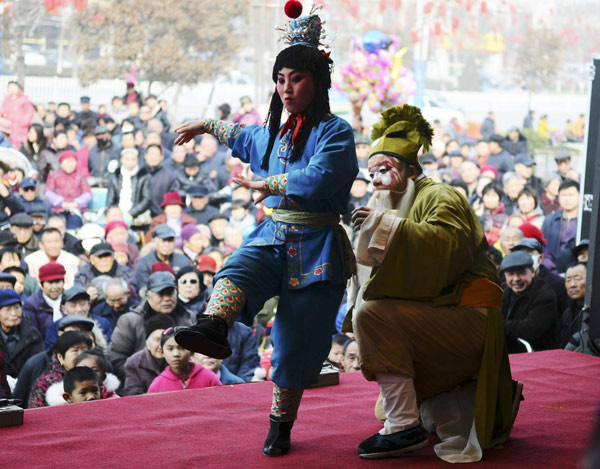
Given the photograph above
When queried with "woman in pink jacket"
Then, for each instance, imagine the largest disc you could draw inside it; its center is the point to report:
(181, 372)
(18, 109)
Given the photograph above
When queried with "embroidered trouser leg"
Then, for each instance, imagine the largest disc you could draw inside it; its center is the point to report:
(226, 300)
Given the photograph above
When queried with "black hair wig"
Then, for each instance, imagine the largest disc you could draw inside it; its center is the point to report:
(319, 64)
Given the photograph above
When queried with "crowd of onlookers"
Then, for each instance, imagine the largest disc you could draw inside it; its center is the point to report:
(110, 236)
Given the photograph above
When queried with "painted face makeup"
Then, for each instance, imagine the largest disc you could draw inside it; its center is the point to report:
(387, 173)
(296, 88)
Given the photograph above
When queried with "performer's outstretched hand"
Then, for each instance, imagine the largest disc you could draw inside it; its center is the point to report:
(255, 185)
(359, 215)
(188, 131)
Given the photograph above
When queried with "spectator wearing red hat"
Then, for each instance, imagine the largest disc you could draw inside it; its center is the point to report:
(44, 306)
(67, 190)
(207, 266)
(173, 216)
(116, 231)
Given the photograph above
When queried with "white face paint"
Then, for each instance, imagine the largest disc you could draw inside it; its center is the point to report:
(386, 173)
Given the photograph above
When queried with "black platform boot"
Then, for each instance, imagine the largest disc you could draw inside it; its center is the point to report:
(278, 439)
(208, 337)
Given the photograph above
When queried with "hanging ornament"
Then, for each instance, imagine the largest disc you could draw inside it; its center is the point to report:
(428, 7)
(293, 8)
(484, 8)
(455, 23)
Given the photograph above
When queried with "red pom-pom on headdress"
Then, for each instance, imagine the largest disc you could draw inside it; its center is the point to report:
(293, 8)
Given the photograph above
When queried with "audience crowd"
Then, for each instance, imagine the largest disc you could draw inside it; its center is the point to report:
(110, 237)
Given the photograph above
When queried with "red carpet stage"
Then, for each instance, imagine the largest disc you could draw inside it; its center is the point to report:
(225, 427)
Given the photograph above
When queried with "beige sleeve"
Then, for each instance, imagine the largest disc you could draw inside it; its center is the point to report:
(375, 237)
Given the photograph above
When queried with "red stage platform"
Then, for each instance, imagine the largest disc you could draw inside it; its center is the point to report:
(226, 426)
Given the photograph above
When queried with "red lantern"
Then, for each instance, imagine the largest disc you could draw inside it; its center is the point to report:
(382, 6)
(397, 5)
(484, 8)
(428, 7)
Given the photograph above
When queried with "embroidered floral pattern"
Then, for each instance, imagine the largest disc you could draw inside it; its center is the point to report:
(223, 130)
(292, 252)
(318, 271)
(285, 403)
(277, 184)
(294, 282)
(226, 301)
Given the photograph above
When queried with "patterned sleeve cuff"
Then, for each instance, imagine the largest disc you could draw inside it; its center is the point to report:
(277, 184)
(223, 131)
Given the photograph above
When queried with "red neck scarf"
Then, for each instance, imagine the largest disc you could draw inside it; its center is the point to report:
(294, 120)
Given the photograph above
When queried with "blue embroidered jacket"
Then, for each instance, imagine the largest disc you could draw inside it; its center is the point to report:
(319, 182)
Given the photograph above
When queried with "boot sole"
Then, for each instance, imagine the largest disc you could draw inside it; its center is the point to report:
(199, 343)
(396, 452)
(517, 398)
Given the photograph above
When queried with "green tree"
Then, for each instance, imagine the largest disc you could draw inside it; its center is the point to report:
(19, 20)
(538, 60)
(167, 41)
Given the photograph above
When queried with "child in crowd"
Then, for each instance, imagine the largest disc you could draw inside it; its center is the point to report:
(181, 372)
(82, 384)
(97, 361)
(336, 353)
(66, 349)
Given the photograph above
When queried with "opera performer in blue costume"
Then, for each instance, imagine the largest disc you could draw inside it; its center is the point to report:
(302, 253)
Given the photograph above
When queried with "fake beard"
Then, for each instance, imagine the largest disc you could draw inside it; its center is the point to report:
(398, 202)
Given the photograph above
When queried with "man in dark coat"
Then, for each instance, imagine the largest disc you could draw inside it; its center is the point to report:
(116, 303)
(571, 318)
(130, 335)
(499, 158)
(528, 306)
(30, 201)
(162, 179)
(488, 127)
(141, 184)
(515, 142)
(18, 339)
(199, 207)
(102, 154)
(44, 306)
(164, 237)
(86, 117)
(102, 262)
(535, 249)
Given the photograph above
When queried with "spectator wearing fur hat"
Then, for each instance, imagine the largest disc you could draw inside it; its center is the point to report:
(67, 190)
(146, 364)
(172, 216)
